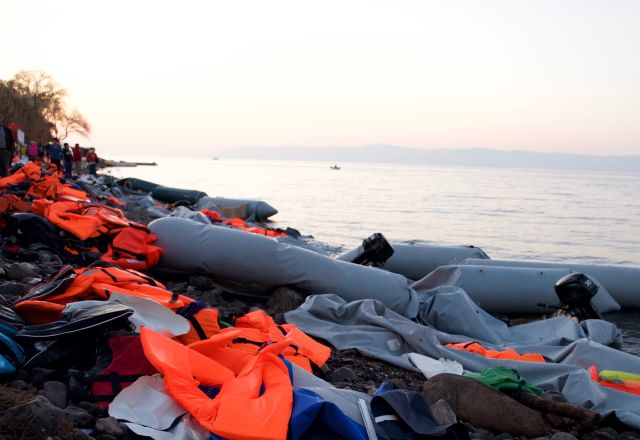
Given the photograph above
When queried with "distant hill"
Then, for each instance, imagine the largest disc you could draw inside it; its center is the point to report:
(483, 157)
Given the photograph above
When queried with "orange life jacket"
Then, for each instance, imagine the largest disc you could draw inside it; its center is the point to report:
(511, 354)
(132, 248)
(203, 325)
(85, 220)
(13, 203)
(97, 284)
(254, 331)
(82, 286)
(255, 404)
(239, 223)
(30, 171)
(47, 187)
(302, 346)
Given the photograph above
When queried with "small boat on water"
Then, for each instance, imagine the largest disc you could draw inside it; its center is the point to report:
(334, 167)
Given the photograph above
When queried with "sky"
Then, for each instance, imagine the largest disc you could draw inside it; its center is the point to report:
(191, 77)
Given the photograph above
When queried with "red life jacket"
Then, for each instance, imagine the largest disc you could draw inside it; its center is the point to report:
(121, 361)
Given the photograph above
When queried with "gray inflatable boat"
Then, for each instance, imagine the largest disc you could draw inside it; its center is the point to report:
(256, 260)
(510, 290)
(415, 261)
(249, 209)
(622, 282)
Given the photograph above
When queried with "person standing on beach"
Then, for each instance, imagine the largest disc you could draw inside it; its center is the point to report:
(92, 161)
(67, 156)
(7, 146)
(33, 151)
(77, 159)
(55, 153)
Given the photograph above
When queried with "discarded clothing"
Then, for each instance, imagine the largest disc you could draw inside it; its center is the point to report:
(501, 379)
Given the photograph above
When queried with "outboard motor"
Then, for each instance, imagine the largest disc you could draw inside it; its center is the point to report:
(375, 250)
(575, 292)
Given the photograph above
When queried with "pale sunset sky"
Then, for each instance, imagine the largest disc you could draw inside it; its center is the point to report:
(196, 76)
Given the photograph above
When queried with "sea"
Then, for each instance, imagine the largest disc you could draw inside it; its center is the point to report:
(511, 213)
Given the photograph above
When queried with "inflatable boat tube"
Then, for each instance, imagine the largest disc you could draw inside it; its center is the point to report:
(509, 290)
(137, 184)
(622, 282)
(171, 195)
(256, 210)
(252, 259)
(416, 261)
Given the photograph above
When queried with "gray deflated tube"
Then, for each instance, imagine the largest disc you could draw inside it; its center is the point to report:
(415, 261)
(622, 282)
(241, 257)
(509, 290)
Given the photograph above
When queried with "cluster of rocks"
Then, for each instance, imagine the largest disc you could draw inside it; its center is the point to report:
(37, 403)
(35, 406)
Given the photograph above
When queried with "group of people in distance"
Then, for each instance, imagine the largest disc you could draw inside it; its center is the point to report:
(66, 158)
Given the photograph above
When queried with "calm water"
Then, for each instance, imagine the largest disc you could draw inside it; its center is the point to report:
(577, 216)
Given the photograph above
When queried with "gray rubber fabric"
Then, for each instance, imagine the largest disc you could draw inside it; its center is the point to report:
(256, 260)
(448, 317)
(256, 210)
(510, 290)
(415, 261)
(196, 216)
(147, 409)
(621, 281)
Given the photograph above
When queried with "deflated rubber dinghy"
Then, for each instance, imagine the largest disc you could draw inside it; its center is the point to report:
(137, 184)
(172, 195)
(248, 209)
(257, 260)
(415, 261)
(509, 290)
(163, 193)
(622, 282)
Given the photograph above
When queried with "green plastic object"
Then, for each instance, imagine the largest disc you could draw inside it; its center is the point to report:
(504, 379)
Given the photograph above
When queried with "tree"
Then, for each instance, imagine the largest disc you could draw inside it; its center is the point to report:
(72, 122)
(18, 107)
(47, 98)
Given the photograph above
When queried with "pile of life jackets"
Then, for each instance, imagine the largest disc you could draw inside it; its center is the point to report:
(91, 227)
(235, 381)
(511, 354)
(45, 302)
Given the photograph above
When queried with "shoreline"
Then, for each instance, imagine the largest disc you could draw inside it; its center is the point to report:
(346, 369)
